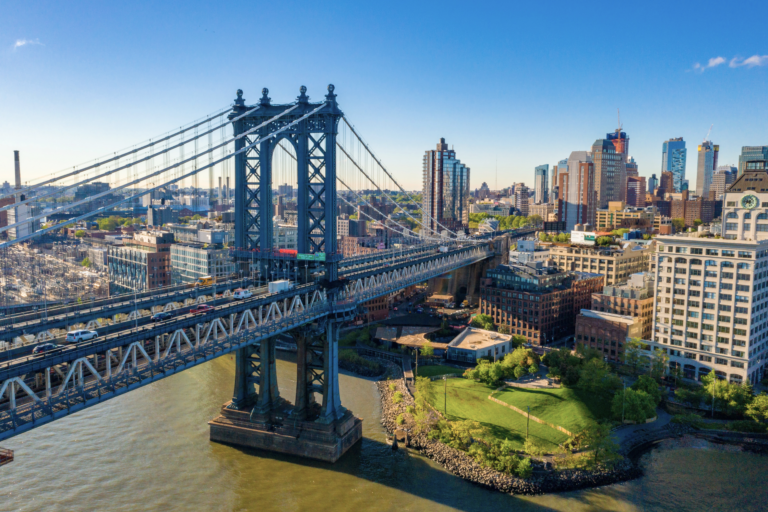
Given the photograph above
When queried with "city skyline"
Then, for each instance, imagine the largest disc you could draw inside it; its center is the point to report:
(154, 88)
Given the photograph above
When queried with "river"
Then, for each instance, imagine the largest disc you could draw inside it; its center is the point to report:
(149, 451)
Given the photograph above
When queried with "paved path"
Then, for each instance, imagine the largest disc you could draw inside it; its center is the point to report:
(627, 431)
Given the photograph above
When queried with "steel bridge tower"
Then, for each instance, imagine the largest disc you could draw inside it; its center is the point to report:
(329, 428)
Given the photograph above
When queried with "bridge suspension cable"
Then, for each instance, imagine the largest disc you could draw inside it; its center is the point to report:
(135, 161)
(174, 180)
(368, 149)
(135, 150)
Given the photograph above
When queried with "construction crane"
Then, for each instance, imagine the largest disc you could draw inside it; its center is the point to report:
(710, 131)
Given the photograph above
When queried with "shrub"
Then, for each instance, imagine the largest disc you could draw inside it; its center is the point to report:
(533, 448)
(650, 386)
(410, 409)
(519, 372)
(392, 386)
(400, 419)
(524, 469)
(635, 406)
(747, 426)
(689, 418)
(397, 397)
(350, 357)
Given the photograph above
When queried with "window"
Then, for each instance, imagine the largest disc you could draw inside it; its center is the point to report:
(731, 226)
(712, 252)
(723, 329)
(721, 361)
(728, 254)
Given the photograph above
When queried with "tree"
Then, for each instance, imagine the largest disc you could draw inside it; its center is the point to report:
(518, 340)
(536, 220)
(533, 369)
(633, 405)
(543, 237)
(758, 409)
(519, 372)
(424, 392)
(79, 233)
(595, 376)
(659, 363)
(504, 329)
(86, 262)
(650, 386)
(196, 217)
(678, 224)
(697, 223)
(632, 353)
(427, 350)
(483, 322)
(604, 241)
(597, 437)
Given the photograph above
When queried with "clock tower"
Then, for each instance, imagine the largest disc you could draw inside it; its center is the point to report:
(745, 206)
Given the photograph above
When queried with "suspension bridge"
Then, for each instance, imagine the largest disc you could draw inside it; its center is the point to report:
(303, 142)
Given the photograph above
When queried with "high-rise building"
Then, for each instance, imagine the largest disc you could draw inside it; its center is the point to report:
(610, 172)
(745, 207)
(636, 191)
(540, 183)
(445, 196)
(521, 198)
(673, 155)
(723, 177)
(632, 169)
(653, 182)
(285, 190)
(667, 185)
(751, 154)
(578, 197)
(557, 170)
(620, 142)
(706, 167)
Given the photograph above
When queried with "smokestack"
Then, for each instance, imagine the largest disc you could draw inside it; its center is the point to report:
(228, 189)
(17, 164)
(221, 199)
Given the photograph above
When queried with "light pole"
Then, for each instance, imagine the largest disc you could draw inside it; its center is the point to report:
(528, 422)
(445, 396)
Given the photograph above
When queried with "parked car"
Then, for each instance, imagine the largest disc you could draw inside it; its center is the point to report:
(200, 309)
(80, 335)
(242, 293)
(163, 315)
(45, 347)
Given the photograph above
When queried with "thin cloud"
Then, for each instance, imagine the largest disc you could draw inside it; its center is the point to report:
(25, 42)
(751, 62)
(713, 63)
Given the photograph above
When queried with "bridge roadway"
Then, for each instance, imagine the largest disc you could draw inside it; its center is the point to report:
(86, 372)
(61, 317)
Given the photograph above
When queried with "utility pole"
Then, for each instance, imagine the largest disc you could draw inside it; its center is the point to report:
(528, 422)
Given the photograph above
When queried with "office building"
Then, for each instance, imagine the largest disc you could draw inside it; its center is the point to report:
(350, 227)
(557, 170)
(522, 198)
(542, 210)
(140, 263)
(91, 190)
(620, 142)
(614, 264)
(610, 172)
(578, 198)
(673, 157)
(535, 300)
(706, 167)
(540, 183)
(190, 261)
(445, 191)
(710, 302)
(606, 332)
(619, 215)
(723, 178)
(653, 182)
(160, 215)
(636, 191)
(633, 298)
(285, 191)
(751, 154)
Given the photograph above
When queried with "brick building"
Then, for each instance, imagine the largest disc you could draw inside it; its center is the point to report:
(606, 332)
(633, 298)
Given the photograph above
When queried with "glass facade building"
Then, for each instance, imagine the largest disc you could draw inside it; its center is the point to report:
(190, 261)
(673, 157)
(445, 191)
(540, 184)
(752, 154)
(706, 167)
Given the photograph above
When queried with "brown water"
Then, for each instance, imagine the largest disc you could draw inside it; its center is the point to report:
(149, 450)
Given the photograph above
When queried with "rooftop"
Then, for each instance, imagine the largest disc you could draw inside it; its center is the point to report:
(472, 338)
(628, 320)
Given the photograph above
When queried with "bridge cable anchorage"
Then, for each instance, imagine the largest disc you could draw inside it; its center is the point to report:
(147, 191)
(147, 158)
(151, 143)
(368, 149)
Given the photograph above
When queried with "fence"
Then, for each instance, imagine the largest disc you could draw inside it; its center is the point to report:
(531, 416)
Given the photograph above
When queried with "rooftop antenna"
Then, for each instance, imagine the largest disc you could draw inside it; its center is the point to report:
(710, 131)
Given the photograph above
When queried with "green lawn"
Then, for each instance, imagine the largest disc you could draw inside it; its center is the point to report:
(433, 370)
(468, 400)
(571, 408)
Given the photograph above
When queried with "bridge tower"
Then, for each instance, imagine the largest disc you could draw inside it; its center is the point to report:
(323, 430)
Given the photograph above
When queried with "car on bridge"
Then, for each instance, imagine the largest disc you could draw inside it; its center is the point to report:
(163, 315)
(242, 293)
(45, 347)
(80, 335)
(202, 308)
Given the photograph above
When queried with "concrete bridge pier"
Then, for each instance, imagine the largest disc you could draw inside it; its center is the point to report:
(260, 418)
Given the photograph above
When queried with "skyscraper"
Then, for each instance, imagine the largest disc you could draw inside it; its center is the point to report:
(540, 183)
(521, 198)
(722, 179)
(667, 183)
(578, 197)
(620, 142)
(610, 172)
(673, 155)
(752, 154)
(557, 170)
(636, 191)
(632, 169)
(706, 167)
(652, 183)
(445, 191)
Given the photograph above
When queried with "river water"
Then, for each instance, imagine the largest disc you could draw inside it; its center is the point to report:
(149, 451)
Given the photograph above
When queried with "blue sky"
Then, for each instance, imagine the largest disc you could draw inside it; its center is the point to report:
(512, 82)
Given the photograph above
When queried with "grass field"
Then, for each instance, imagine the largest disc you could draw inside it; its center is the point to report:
(571, 408)
(431, 371)
(468, 400)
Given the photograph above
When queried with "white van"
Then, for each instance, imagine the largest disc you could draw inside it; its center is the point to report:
(242, 293)
(80, 335)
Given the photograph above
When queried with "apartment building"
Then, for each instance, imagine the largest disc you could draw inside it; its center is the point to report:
(633, 298)
(619, 215)
(613, 263)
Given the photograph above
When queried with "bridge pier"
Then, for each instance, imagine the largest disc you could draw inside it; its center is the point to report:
(262, 419)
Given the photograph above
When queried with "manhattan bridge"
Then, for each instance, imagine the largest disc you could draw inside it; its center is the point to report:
(332, 163)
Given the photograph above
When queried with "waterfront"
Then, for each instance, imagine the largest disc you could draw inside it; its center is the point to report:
(149, 450)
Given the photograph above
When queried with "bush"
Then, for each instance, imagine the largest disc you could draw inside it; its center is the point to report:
(533, 448)
(519, 372)
(636, 406)
(650, 386)
(690, 418)
(410, 409)
(352, 361)
(747, 426)
(397, 397)
(400, 419)
(524, 468)
(392, 386)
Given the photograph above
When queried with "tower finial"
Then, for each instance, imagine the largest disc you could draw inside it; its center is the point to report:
(240, 102)
(303, 98)
(265, 99)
